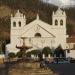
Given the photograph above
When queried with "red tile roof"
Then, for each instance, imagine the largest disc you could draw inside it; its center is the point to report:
(71, 40)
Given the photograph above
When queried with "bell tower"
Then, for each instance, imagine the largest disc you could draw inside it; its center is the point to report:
(59, 24)
(18, 21)
(59, 18)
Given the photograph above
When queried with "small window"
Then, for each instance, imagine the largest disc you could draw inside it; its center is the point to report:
(19, 24)
(61, 22)
(37, 35)
(14, 24)
(56, 22)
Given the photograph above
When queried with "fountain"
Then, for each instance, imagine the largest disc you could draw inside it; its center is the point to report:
(23, 48)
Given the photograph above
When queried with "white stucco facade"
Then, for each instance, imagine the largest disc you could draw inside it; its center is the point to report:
(39, 34)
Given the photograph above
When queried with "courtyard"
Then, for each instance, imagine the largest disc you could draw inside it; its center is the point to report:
(15, 68)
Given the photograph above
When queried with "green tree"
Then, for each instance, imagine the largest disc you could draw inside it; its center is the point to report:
(46, 51)
(34, 52)
(19, 54)
(59, 51)
(11, 55)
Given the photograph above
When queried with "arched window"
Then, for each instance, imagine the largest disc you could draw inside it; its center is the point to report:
(14, 24)
(61, 22)
(56, 22)
(37, 35)
(19, 24)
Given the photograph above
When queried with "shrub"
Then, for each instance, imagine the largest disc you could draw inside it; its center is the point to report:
(46, 51)
(28, 54)
(34, 52)
(59, 51)
(19, 54)
(11, 55)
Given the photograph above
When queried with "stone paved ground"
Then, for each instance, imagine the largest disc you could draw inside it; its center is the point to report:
(63, 69)
(3, 69)
(29, 69)
(55, 69)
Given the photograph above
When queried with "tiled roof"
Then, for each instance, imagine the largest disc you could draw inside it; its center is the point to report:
(71, 40)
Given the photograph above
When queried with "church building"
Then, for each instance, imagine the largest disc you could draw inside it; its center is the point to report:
(37, 33)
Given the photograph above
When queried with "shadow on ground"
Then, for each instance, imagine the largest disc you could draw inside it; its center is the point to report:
(63, 69)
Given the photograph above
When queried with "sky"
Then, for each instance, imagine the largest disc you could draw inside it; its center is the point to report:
(61, 2)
